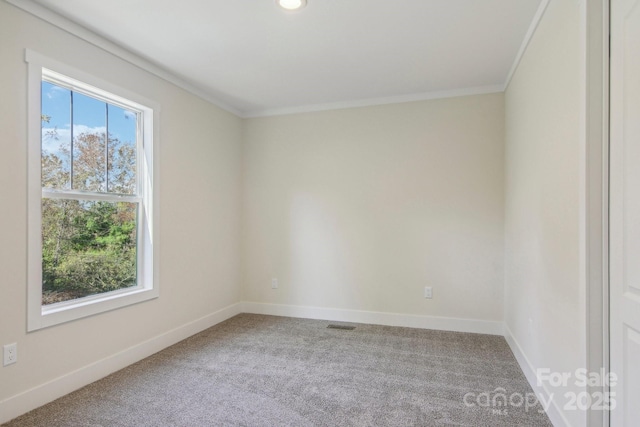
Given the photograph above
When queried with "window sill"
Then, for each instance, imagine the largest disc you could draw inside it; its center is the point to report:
(62, 312)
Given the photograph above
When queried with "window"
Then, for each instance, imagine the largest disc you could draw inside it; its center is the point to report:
(92, 242)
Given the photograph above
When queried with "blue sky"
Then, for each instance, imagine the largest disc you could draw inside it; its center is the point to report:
(89, 115)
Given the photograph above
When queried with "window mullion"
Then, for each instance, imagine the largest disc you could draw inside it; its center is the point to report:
(71, 143)
(106, 148)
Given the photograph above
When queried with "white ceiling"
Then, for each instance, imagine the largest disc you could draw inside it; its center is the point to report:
(259, 59)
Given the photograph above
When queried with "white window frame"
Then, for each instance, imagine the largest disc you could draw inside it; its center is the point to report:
(147, 287)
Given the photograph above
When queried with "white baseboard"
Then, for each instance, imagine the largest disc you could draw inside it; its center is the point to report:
(35, 397)
(554, 412)
(30, 399)
(378, 318)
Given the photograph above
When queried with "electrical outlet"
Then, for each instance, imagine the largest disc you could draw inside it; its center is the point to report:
(274, 283)
(428, 292)
(10, 354)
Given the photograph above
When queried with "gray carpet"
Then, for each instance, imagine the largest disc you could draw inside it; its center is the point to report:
(257, 370)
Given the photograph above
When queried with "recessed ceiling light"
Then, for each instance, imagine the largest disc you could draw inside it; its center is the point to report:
(291, 4)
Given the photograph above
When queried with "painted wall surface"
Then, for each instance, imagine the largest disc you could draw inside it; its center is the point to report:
(542, 247)
(200, 155)
(354, 209)
(361, 208)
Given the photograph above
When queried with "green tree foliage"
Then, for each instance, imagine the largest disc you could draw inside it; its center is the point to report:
(88, 247)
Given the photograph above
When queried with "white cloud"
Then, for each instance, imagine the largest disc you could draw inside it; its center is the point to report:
(54, 138)
(54, 91)
(78, 129)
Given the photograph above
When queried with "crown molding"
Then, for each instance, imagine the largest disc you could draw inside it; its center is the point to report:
(480, 90)
(527, 39)
(101, 42)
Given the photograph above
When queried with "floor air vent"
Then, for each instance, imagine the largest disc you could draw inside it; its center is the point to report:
(345, 327)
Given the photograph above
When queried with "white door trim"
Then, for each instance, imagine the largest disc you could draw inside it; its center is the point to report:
(595, 221)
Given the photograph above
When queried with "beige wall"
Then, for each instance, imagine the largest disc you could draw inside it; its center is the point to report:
(361, 208)
(199, 198)
(543, 145)
(354, 209)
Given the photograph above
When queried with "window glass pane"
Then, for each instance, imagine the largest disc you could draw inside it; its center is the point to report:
(89, 145)
(123, 125)
(56, 136)
(88, 248)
